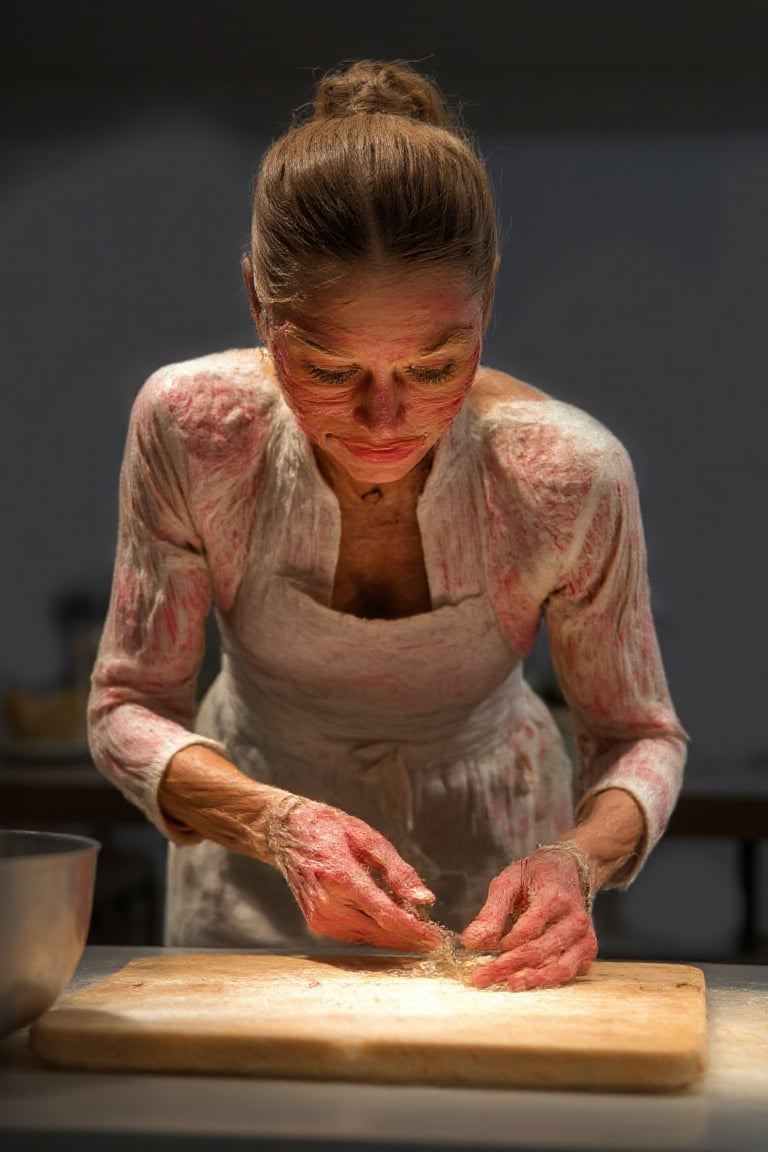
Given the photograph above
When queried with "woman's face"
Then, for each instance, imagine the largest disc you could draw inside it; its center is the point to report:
(377, 370)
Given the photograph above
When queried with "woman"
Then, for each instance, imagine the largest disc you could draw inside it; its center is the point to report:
(381, 524)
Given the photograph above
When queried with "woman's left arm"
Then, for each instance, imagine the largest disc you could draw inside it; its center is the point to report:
(630, 743)
(605, 653)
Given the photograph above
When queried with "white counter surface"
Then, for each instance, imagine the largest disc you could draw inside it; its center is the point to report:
(46, 1108)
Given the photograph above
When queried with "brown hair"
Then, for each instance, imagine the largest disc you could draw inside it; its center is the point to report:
(382, 172)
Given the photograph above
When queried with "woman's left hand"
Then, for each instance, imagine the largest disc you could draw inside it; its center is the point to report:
(551, 940)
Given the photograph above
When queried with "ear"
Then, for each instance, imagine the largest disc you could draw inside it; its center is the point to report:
(257, 312)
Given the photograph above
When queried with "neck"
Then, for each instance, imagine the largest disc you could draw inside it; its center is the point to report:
(350, 490)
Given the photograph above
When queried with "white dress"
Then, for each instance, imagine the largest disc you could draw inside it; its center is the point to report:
(422, 726)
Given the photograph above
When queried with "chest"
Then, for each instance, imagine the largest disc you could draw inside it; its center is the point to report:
(381, 571)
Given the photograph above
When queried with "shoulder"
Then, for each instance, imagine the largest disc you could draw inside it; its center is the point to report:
(539, 443)
(212, 404)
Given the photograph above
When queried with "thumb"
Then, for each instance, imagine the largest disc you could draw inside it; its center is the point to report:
(485, 931)
(488, 927)
(407, 887)
(403, 881)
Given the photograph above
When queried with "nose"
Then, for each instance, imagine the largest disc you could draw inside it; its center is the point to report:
(380, 407)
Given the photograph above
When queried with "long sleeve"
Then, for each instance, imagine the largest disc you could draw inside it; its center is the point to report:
(606, 656)
(572, 533)
(184, 501)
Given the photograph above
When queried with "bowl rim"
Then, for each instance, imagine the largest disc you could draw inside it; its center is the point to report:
(60, 843)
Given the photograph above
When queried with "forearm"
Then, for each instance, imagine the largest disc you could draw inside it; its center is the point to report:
(203, 791)
(610, 832)
(348, 881)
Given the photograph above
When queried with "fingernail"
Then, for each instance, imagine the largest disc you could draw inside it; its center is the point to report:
(517, 982)
(422, 893)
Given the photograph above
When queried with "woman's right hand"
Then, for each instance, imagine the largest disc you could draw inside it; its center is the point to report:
(348, 880)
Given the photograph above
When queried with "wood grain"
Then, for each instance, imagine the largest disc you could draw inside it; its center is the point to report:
(624, 1027)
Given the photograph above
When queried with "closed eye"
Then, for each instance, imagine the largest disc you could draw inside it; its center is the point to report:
(436, 375)
(330, 375)
(339, 376)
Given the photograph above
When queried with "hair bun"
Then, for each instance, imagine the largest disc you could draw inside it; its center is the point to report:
(391, 87)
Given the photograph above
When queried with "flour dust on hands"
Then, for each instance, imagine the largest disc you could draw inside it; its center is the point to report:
(348, 880)
(551, 939)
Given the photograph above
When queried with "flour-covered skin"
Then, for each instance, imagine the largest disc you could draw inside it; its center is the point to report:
(423, 726)
(348, 880)
(551, 938)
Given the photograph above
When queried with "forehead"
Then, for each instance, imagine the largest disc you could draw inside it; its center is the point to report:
(397, 305)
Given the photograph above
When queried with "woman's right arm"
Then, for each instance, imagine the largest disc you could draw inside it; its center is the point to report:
(143, 687)
(349, 882)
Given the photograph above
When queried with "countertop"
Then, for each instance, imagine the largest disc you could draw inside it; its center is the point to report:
(47, 1108)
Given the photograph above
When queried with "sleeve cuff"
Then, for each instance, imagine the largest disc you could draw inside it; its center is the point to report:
(654, 783)
(142, 788)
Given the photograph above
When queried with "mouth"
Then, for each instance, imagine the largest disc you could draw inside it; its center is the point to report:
(392, 450)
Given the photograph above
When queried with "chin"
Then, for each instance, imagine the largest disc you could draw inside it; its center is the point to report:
(379, 473)
(369, 470)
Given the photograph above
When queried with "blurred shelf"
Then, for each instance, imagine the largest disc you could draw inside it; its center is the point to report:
(46, 794)
(741, 817)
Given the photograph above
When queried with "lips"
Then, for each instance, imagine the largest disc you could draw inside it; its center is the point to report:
(394, 450)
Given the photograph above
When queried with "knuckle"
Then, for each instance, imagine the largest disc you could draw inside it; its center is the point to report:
(499, 887)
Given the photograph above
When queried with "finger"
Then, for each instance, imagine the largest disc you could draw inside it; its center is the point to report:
(553, 975)
(559, 938)
(327, 892)
(577, 947)
(403, 929)
(535, 921)
(487, 928)
(495, 972)
(353, 926)
(590, 955)
(400, 878)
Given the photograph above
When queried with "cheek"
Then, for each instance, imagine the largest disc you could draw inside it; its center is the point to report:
(433, 413)
(444, 406)
(313, 413)
(310, 407)
(448, 406)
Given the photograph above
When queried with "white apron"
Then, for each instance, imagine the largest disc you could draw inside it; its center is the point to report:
(422, 726)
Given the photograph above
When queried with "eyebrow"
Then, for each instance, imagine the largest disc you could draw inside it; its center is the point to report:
(308, 343)
(455, 336)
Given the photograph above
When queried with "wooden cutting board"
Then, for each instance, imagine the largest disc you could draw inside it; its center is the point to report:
(624, 1026)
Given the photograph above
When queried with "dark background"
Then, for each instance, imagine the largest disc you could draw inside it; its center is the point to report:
(629, 147)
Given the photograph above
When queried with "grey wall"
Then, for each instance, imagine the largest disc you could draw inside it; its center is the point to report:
(632, 283)
(635, 286)
(632, 170)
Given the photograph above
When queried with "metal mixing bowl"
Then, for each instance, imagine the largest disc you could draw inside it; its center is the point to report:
(46, 894)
